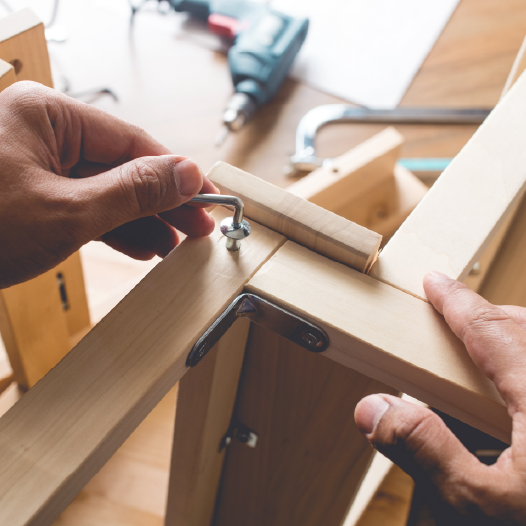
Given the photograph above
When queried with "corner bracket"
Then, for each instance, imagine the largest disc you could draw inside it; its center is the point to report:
(268, 316)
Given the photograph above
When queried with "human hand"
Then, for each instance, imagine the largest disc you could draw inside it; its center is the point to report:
(419, 442)
(71, 173)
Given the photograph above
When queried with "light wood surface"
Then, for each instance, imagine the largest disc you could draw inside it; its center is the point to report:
(7, 75)
(23, 44)
(451, 227)
(387, 206)
(297, 219)
(358, 171)
(205, 406)
(77, 314)
(468, 66)
(33, 327)
(368, 187)
(85, 408)
(310, 457)
(385, 334)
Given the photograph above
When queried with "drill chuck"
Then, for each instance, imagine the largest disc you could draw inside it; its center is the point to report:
(239, 110)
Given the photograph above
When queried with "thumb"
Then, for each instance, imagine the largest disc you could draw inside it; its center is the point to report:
(143, 187)
(418, 441)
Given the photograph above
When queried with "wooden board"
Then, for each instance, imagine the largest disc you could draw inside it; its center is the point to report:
(65, 428)
(7, 75)
(451, 227)
(356, 172)
(23, 45)
(385, 208)
(303, 222)
(205, 406)
(385, 334)
(310, 457)
(77, 313)
(34, 327)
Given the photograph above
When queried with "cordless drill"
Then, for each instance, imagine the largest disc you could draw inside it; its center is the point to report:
(265, 43)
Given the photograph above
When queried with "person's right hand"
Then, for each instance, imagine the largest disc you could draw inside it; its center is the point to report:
(71, 173)
(418, 441)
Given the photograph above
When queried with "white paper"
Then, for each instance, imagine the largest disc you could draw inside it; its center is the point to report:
(366, 51)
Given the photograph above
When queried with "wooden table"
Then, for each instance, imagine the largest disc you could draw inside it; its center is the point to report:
(176, 88)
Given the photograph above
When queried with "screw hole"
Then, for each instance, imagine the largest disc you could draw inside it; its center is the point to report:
(335, 169)
(17, 64)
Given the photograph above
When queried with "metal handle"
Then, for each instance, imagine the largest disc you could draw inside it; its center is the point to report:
(305, 157)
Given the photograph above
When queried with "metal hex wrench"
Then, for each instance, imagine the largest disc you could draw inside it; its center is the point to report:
(234, 228)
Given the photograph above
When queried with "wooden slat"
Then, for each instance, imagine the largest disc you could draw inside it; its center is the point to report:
(7, 75)
(205, 404)
(65, 428)
(33, 327)
(358, 171)
(385, 208)
(23, 44)
(77, 313)
(384, 333)
(301, 221)
(310, 457)
(451, 227)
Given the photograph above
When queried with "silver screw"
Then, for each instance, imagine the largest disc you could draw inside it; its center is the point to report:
(310, 339)
(234, 228)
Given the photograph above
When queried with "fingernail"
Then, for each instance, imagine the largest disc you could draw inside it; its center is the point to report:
(372, 408)
(437, 276)
(188, 177)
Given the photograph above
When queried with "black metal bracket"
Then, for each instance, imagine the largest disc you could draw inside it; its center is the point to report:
(266, 315)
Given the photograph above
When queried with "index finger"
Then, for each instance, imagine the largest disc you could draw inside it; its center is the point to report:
(495, 342)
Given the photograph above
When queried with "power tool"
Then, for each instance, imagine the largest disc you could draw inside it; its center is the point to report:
(265, 43)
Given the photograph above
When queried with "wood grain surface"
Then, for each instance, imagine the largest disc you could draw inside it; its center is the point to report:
(385, 334)
(299, 220)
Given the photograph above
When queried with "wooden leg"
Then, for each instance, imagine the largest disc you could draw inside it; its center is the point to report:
(38, 318)
(205, 404)
(310, 457)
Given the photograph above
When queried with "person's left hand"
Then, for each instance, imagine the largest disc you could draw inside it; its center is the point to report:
(463, 490)
(71, 173)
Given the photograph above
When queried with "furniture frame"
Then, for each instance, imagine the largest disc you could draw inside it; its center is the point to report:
(381, 330)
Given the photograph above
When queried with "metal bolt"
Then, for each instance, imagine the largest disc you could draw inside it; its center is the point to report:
(202, 350)
(234, 228)
(310, 339)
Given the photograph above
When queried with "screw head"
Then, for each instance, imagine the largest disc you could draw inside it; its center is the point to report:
(310, 339)
(202, 350)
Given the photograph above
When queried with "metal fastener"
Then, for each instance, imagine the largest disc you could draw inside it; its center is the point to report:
(234, 228)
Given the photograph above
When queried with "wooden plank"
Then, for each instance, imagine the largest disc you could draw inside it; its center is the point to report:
(23, 44)
(7, 75)
(205, 404)
(506, 282)
(65, 428)
(356, 172)
(33, 327)
(385, 334)
(474, 280)
(519, 65)
(77, 312)
(385, 208)
(303, 222)
(451, 227)
(310, 457)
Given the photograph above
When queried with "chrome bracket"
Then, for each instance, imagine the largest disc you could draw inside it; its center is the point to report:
(265, 314)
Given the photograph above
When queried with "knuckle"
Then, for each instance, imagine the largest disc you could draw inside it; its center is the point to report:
(24, 95)
(150, 188)
(481, 317)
